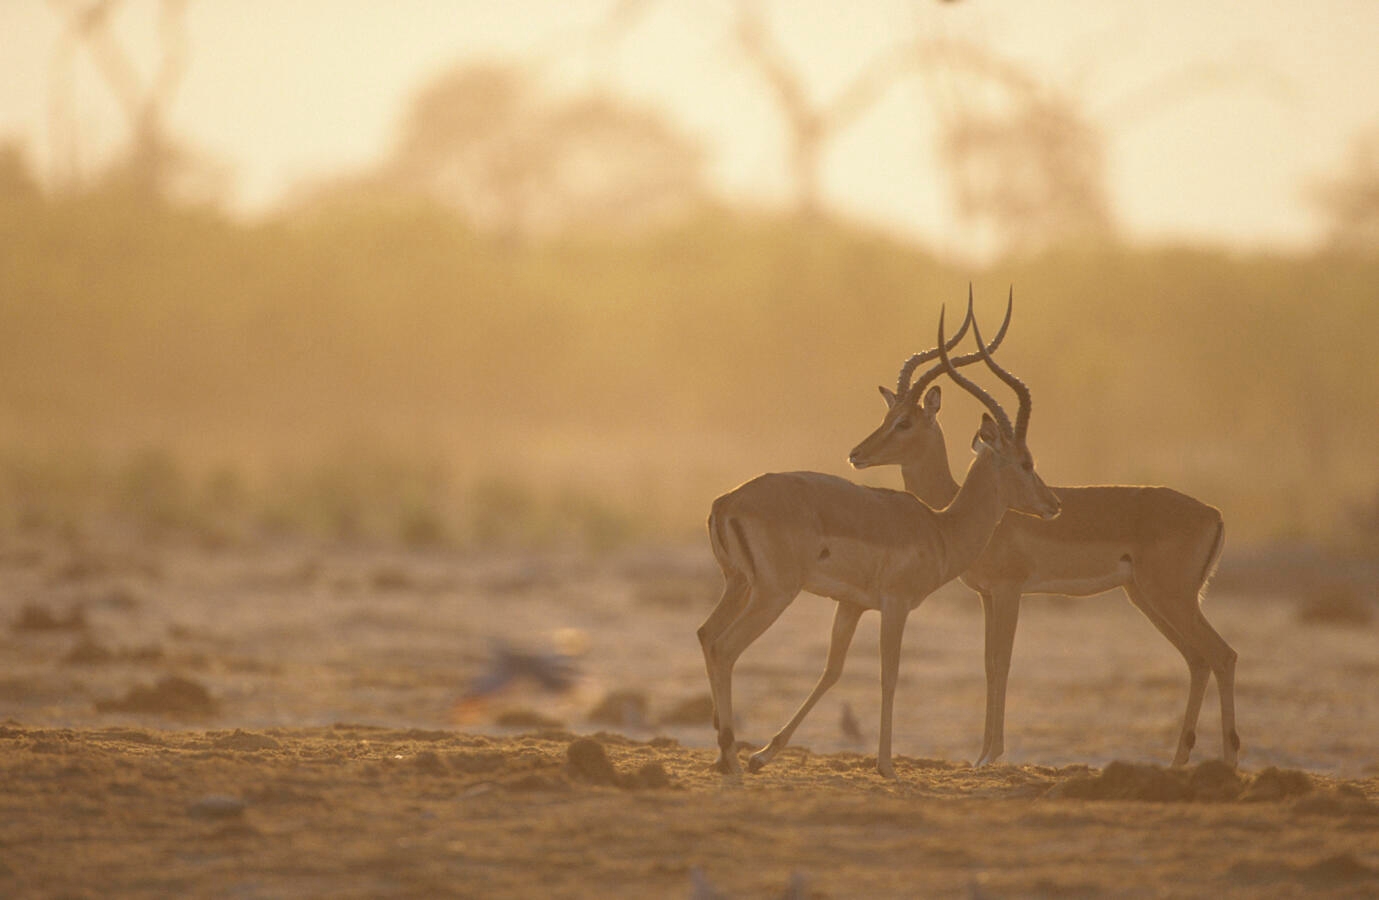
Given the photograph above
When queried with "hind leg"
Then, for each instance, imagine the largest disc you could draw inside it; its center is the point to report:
(764, 606)
(1206, 653)
(844, 626)
(730, 604)
(1221, 656)
(1198, 669)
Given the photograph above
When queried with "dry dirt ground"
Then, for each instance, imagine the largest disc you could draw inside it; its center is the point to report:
(266, 720)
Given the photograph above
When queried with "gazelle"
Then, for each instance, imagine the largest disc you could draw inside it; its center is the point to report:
(866, 548)
(1159, 545)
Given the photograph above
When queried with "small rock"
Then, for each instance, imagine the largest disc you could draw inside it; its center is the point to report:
(586, 761)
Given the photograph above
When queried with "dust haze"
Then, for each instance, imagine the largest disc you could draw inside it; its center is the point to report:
(367, 505)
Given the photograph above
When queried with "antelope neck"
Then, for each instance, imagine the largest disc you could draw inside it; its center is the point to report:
(930, 479)
(967, 523)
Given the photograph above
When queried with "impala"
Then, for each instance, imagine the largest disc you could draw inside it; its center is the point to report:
(1159, 545)
(866, 548)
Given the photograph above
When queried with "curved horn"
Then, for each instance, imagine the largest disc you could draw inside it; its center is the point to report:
(987, 400)
(966, 359)
(1015, 384)
(902, 383)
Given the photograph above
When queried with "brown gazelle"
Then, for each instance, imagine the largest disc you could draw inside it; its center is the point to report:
(1161, 546)
(866, 548)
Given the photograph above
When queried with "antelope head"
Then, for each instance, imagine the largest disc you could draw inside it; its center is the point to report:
(910, 429)
(1021, 488)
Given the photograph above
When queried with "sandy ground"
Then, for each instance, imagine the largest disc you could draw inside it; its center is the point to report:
(286, 720)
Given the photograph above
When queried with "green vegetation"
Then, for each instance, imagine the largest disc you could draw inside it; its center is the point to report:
(377, 369)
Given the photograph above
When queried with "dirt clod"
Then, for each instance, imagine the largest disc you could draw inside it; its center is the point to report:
(171, 696)
(1215, 782)
(586, 761)
(1274, 784)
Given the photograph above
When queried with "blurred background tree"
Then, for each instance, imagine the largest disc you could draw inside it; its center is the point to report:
(536, 296)
(154, 164)
(1022, 159)
(484, 142)
(1349, 200)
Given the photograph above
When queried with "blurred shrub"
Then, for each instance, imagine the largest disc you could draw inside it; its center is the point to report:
(376, 369)
(1337, 604)
(151, 490)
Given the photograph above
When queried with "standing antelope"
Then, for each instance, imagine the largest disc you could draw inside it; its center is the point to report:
(866, 548)
(1160, 545)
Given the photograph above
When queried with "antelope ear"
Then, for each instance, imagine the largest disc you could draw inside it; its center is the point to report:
(933, 399)
(988, 434)
(888, 395)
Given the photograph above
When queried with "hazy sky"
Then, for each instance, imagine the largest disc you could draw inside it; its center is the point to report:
(281, 91)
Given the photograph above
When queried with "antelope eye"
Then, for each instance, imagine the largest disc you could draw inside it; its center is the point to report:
(1028, 465)
(902, 424)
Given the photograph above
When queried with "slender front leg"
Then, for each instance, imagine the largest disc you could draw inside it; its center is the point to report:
(844, 626)
(988, 642)
(1001, 608)
(893, 613)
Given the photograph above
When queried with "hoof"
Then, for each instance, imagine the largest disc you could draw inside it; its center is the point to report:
(756, 764)
(726, 765)
(887, 772)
